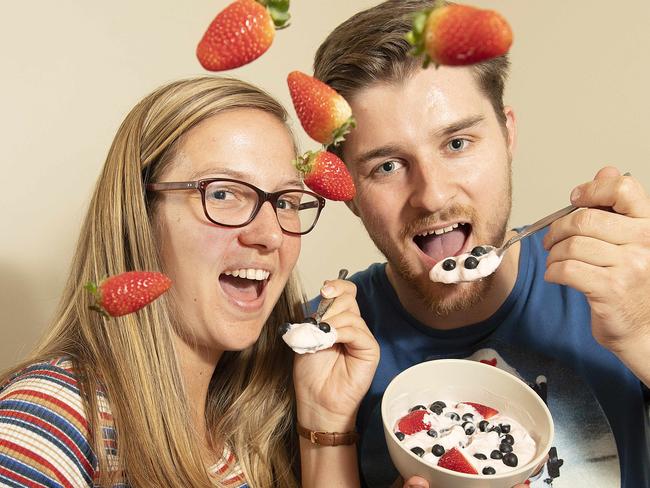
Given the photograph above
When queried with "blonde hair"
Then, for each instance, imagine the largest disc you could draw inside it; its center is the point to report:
(250, 400)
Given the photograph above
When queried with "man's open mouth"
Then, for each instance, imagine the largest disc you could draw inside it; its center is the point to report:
(444, 242)
(244, 284)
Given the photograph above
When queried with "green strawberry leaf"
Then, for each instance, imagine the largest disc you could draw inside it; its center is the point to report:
(339, 133)
(279, 11)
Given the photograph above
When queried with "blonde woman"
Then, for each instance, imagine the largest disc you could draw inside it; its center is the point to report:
(195, 390)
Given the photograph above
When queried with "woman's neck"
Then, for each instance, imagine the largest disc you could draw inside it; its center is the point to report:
(197, 365)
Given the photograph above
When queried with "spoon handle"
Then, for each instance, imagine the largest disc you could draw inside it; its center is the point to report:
(326, 302)
(539, 225)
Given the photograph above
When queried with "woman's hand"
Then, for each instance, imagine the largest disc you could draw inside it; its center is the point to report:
(331, 383)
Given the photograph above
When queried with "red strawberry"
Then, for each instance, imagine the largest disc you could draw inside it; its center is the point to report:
(459, 35)
(491, 362)
(486, 412)
(413, 422)
(323, 113)
(241, 33)
(327, 175)
(453, 459)
(128, 292)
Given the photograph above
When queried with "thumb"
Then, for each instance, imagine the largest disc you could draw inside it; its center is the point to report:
(606, 172)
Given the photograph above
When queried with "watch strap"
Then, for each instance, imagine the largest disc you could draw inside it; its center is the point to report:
(328, 438)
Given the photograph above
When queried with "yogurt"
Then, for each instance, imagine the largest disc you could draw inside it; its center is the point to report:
(482, 261)
(308, 337)
(488, 442)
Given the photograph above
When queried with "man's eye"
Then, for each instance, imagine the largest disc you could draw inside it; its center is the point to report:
(458, 144)
(388, 167)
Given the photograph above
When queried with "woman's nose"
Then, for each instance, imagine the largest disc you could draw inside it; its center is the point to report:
(264, 230)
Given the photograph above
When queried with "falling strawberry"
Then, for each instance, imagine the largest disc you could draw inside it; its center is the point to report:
(453, 459)
(485, 411)
(323, 113)
(326, 174)
(459, 35)
(413, 422)
(127, 292)
(241, 33)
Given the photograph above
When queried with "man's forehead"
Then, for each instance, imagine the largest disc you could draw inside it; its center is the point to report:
(433, 101)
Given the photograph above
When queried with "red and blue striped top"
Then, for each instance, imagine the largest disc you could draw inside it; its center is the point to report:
(45, 438)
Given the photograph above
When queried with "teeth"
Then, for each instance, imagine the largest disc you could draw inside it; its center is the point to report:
(249, 273)
(439, 232)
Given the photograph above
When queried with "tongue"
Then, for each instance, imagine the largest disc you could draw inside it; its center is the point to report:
(442, 246)
(239, 288)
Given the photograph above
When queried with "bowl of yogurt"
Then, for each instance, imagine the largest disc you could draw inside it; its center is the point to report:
(465, 424)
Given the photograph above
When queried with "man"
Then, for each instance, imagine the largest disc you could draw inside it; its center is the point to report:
(566, 310)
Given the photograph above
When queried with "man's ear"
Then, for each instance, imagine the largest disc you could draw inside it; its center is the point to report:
(511, 128)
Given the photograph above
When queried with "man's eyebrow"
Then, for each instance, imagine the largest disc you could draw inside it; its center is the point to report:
(462, 124)
(379, 152)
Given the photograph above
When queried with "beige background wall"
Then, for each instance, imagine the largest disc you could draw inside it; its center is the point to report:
(71, 70)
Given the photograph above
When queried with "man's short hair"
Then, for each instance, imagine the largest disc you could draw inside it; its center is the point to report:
(371, 47)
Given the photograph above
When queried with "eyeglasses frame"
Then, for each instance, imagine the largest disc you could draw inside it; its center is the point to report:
(262, 195)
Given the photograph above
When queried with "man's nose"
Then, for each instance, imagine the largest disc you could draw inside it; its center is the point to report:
(431, 188)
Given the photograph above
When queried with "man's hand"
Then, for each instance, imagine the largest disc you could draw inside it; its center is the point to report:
(603, 251)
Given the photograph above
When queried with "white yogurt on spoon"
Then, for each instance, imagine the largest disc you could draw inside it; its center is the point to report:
(308, 337)
(482, 261)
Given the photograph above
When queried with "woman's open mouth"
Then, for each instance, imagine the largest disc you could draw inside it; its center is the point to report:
(244, 284)
(441, 243)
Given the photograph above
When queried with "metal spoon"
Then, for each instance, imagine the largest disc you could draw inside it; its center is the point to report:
(539, 225)
(326, 302)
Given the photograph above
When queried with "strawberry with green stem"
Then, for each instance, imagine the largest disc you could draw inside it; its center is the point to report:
(324, 173)
(324, 114)
(241, 33)
(127, 292)
(458, 35)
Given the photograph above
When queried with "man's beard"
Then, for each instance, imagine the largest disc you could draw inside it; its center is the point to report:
(442, 299)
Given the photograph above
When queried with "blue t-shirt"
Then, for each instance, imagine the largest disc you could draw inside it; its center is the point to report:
(542, 334)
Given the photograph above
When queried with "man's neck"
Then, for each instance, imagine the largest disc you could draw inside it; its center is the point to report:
(501, 286)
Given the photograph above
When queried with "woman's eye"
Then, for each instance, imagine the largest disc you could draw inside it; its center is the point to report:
(219, 195)
(458, 144)
(388, 167)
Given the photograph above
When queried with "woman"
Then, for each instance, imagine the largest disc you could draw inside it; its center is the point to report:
(196, 388)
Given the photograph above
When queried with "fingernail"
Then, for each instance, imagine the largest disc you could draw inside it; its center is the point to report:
(327, 291)
(575, 194)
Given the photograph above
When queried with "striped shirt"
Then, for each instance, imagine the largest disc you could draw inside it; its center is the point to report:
(44, 433)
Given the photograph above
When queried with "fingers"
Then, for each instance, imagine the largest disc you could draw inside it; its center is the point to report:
(353, 333)
(624, 194)
(586, 249)
(599, 224)
(344, 294)
(586, 278)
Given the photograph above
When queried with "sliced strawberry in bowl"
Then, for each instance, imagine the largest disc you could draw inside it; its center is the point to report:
(454, 460)
(484, 410)
(413, 422)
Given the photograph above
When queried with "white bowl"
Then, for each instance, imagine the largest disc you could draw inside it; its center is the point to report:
(467, 381)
